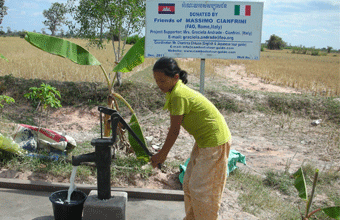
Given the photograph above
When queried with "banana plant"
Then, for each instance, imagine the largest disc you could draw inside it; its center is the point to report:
(300, 185)
(81, 56)
(132, 58)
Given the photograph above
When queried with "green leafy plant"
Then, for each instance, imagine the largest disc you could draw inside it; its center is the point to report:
(300, 185)
(45, 96)
(81, 56)
(5, 99)
(134, 144)
(132, 39)
(315, 53)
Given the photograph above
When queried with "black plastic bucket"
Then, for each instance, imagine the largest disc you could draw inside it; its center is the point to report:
(63, 210)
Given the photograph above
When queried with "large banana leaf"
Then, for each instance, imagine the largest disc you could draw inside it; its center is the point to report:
(139, 151)
(61, 47)
(132, 58)
(300, 184)
(333, 212)
(3, 57)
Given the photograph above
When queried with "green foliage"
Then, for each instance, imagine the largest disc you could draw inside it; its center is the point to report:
(55, 16)
(305, 106)
(46, 95)
(299, 50)
(108, 19)
(132, 58)
(139, 151)
(300, 185)
(133, 167)
(308, 51)
(3, 10)
(333, 212)
(133, 39)
(329, 49)
(275, 43)
(91, 16)
(315, 53)
(61, 47)
(21, 34)
(5, 99)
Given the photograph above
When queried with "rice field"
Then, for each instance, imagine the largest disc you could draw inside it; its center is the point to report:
(317, 74)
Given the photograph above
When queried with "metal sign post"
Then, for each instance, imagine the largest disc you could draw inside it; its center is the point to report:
(202, 76)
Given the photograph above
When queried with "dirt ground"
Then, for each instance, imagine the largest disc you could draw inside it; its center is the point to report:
(278, 142)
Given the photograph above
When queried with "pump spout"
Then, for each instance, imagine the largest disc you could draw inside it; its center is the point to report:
(77, 160)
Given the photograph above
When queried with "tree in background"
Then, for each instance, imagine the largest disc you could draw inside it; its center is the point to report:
(3, 10)
(113, 20)
(275, 43)
(329, 49)
(55, 16)
(43, 31)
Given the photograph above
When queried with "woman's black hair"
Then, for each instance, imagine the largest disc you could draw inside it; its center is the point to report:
(170, 68)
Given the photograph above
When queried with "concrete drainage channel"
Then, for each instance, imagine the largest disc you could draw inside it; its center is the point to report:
(24, 199)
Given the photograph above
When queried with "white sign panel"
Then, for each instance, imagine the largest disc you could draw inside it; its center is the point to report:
(203, 29)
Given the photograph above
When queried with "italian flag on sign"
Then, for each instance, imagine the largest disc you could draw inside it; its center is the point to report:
(244, 10)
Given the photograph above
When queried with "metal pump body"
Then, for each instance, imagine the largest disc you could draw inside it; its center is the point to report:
(103, 154)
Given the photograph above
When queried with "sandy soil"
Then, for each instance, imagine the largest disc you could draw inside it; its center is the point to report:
(239, 77)
(278, 142)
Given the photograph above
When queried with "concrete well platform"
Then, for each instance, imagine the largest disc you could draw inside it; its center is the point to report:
(29, 200)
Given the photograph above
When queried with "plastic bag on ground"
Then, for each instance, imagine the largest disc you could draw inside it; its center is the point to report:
(33, 139)
(7, 144)
(234, 157)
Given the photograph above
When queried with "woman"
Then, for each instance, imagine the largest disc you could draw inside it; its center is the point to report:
(206, 173)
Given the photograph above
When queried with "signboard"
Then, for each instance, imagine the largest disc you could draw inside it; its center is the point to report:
(203, 29)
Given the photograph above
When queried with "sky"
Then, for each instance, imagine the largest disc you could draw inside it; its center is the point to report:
(309, 23)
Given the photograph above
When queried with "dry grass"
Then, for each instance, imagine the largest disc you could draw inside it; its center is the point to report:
(319, 74)
(29, 62)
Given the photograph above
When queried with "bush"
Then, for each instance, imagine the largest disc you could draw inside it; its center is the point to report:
(275, 43)
(315, 53)
(133, 39)
(299, 50)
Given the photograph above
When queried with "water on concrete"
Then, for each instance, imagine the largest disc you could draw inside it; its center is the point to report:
(35, 205)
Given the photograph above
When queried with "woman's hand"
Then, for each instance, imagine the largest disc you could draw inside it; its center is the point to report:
(159, 158)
